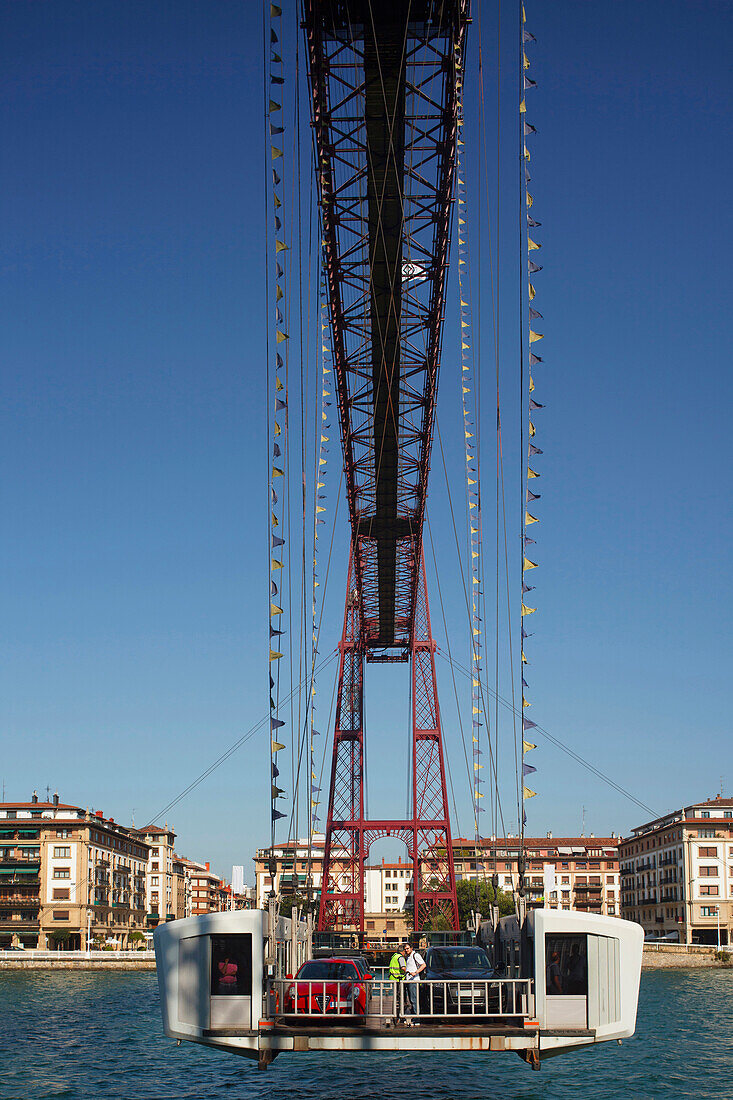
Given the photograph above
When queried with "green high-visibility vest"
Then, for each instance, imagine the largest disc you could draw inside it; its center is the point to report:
(395, 970)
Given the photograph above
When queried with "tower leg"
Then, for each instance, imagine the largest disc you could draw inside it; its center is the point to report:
(434, 880)
(342, 886)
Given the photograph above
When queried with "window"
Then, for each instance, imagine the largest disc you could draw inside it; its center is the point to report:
(709, 870)
(63, 834)
(61, 914)
(153, 880)
(705, 813)
(60, 895)
(61, 872)
(61, 853)
(708, 910)
(707, 852)
(709, 891)
(390, 926)
(708, 833)
(566, 964)
(728, 813)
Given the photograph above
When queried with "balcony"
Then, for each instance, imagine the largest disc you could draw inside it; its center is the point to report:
(19, 901)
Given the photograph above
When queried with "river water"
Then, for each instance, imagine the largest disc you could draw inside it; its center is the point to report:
(86, 1035)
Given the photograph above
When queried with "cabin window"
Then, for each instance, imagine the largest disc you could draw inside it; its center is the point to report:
(566, 965)
(231, 965)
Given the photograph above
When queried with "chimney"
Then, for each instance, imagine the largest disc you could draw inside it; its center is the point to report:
(34, 798)
(55, 798)
(592, 835)
(549, 835)
(208, 866)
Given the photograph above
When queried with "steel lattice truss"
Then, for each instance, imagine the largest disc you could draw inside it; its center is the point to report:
(427, 833)
(384, 118)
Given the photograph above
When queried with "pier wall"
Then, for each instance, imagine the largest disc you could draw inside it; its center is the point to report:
(666, 956)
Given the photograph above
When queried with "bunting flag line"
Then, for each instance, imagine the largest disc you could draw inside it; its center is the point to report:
(527, 130)
(278, 404)
(319, 507)
(470, 418)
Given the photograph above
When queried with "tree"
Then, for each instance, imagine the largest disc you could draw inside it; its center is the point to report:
(478, 895)
(59, 937)
(288, 902)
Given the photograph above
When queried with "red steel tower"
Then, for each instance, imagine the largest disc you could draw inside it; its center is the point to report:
(384, 77)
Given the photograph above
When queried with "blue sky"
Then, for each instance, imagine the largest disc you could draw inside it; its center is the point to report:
(133, 325)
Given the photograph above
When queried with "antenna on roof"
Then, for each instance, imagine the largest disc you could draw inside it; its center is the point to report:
(582, 829)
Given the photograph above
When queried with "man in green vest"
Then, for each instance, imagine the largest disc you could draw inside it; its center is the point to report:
(396, 974)
(397, 967)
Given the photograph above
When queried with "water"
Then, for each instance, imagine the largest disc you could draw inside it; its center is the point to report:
(86, 1035)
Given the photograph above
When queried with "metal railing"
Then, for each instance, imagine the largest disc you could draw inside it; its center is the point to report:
(310, 999)
(68, 956)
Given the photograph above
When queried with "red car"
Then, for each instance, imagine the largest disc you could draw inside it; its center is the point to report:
(327, 986)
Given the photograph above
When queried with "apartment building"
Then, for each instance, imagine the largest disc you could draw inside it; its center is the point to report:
(209, 893)
(677, 874)
(577, 873)
(161, 892)
(388, 900)
(69, 877)
(293, 862)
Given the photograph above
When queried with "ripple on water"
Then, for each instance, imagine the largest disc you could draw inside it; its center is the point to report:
(83, 1036)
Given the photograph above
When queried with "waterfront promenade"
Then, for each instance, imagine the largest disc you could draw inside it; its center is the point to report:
(656, 957)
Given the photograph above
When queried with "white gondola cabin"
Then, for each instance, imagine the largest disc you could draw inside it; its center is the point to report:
(226, 980)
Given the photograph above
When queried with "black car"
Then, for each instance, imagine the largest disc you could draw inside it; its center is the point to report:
(463, 970)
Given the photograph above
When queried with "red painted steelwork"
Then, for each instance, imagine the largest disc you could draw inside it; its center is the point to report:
(349, 834)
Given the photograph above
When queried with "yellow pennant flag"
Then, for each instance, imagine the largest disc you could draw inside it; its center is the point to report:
(278, 384)
(526, 703)
(274, 655)
(527, 564)
(531, 472)
(530, 200)
(535, 336)
(532, 246)
(522, 107)
(278, 293)
(276, 564)
(528, 610)
(527, 746)
(531, 384)
(532, 429)
(278, 429)
(280, 246)
(275, 520)
(528, 793)
(319, 508)
(524, 659)
(277, 745)
(275, 610)
(276, 152)
(276, 471)
(529, 518)
(280, 336)
(531, 292)
(477, 767)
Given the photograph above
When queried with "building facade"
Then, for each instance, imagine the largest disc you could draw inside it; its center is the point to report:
(677, 874)
(295, 862)
(577, 873)
(69, 878)
(161, 892)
